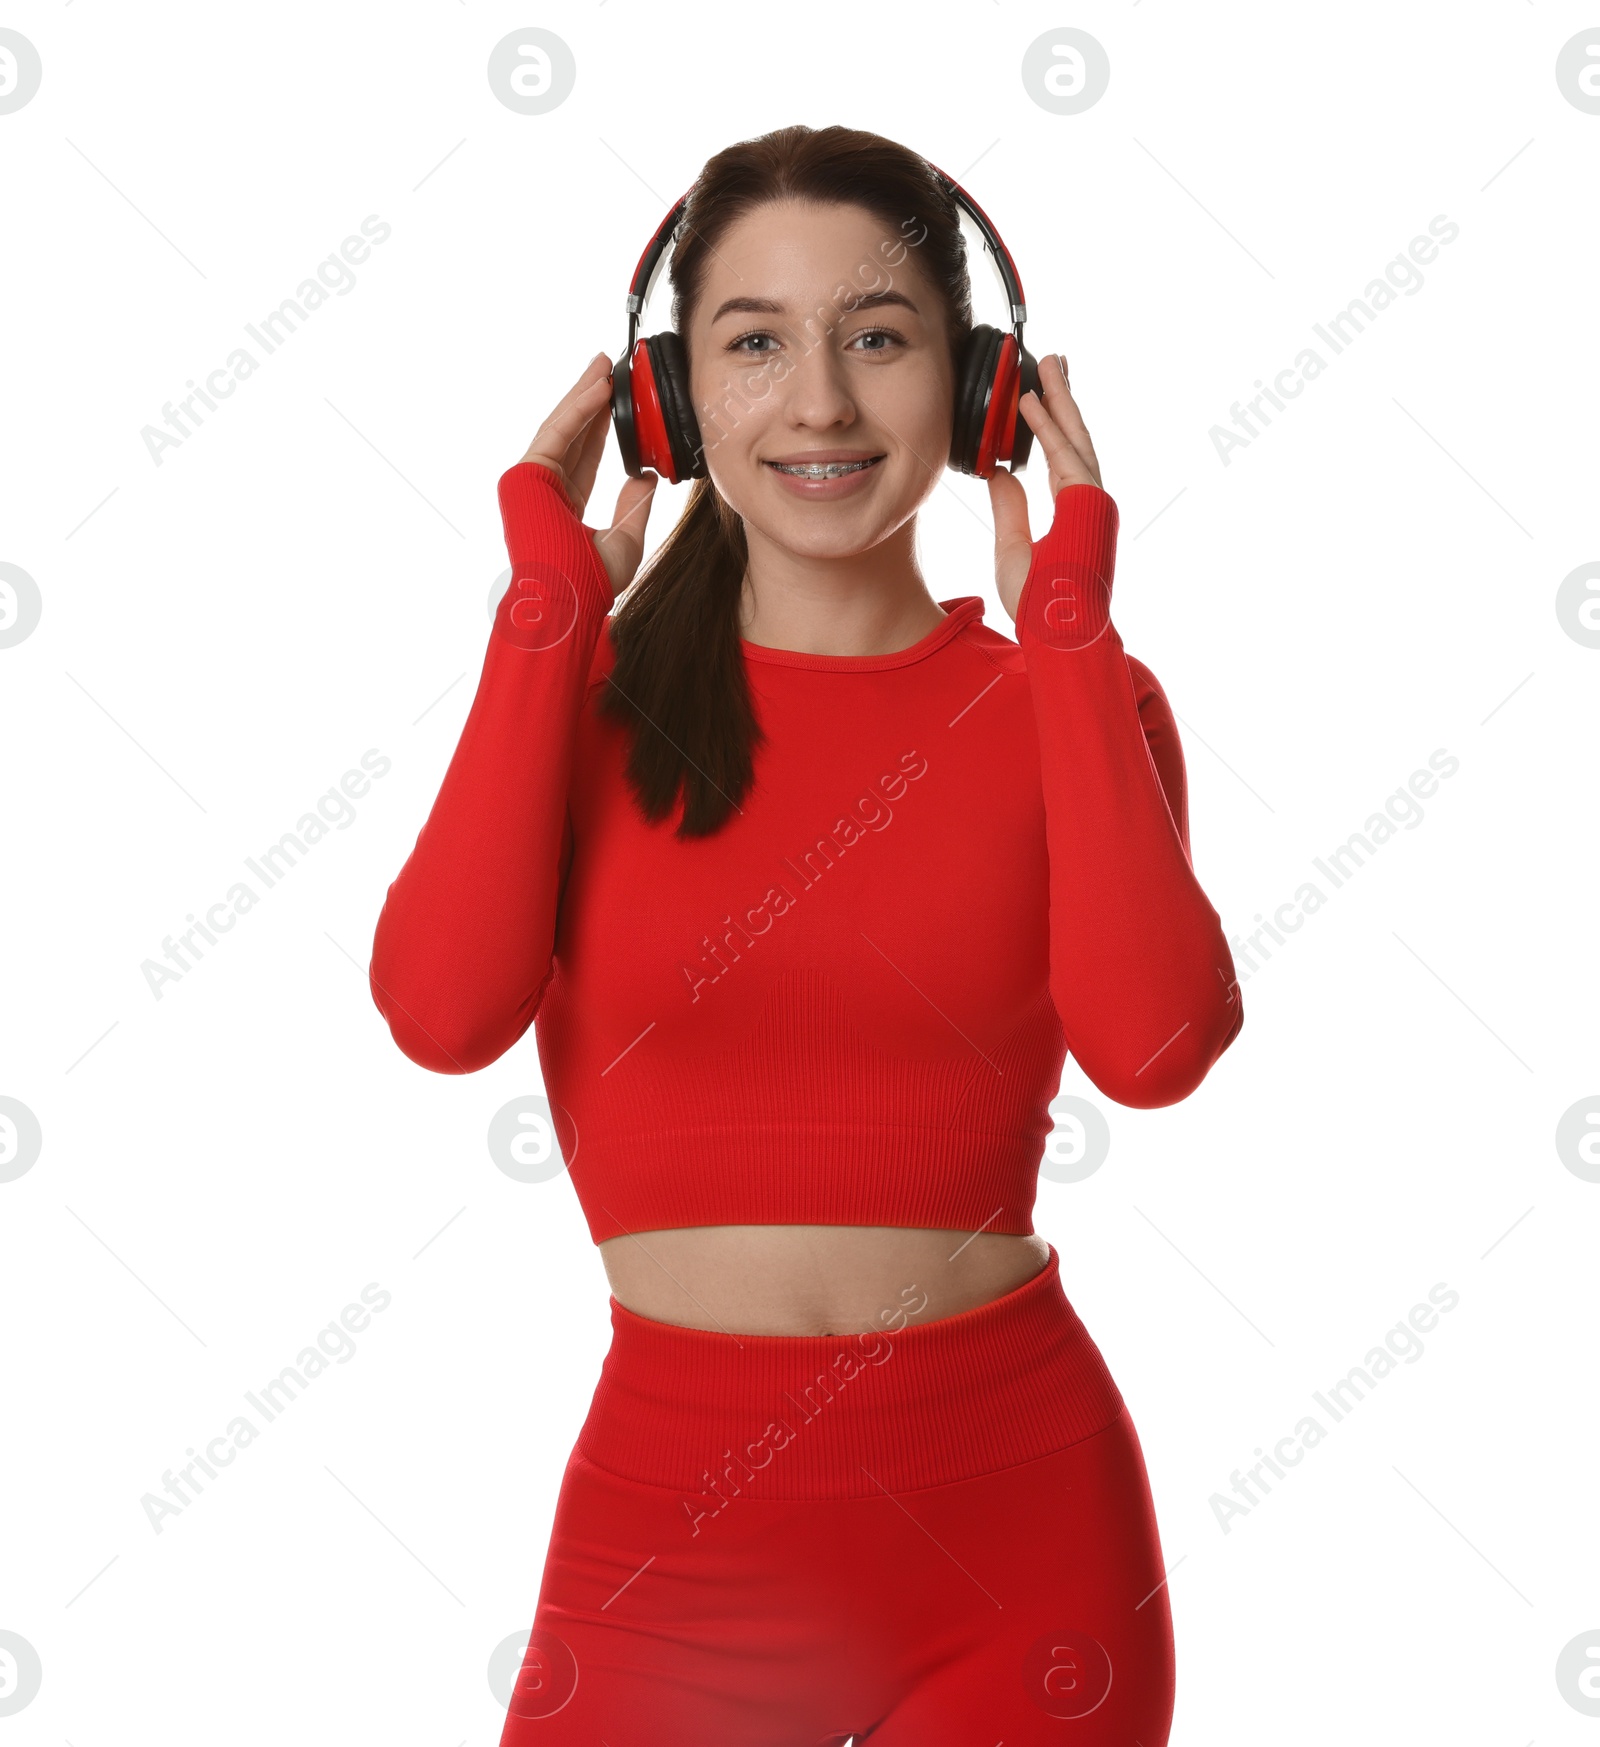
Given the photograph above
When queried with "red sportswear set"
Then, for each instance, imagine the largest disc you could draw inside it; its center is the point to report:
(850, 1005)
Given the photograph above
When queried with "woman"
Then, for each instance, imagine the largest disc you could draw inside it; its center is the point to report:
(811, 882)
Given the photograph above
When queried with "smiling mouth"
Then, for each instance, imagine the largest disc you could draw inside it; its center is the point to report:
(826, 469)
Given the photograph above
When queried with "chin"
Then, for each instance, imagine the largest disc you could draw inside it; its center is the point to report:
(835, 536)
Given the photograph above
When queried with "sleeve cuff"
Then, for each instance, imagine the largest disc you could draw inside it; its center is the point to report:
(1066, 599)
(543, 529)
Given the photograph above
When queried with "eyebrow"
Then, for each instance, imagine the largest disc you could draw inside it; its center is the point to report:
(769, 306)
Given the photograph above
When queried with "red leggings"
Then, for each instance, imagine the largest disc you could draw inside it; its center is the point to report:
(940, 1535)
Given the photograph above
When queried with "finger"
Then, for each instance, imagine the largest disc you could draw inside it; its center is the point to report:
(622, 544)
(563, 432)
(591, 447)
(1013, 540)
(565, 426)
(1063, 408)
(1067, 466)
(566, 460)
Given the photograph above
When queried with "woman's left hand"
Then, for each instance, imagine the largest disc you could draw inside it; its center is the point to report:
(1059, 431)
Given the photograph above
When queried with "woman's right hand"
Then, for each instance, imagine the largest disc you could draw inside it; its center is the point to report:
(570, 443)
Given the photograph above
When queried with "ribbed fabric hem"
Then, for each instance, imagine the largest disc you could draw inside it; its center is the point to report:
(1066, 599)
(860, 1173)
(546, 538)
(847, 1416)
(805, 1120)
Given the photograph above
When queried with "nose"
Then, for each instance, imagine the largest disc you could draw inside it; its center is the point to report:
(814, 394)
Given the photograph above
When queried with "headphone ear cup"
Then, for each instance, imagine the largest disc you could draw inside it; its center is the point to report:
(1022, 434)
(670, 365)
(636, 413)
(972, 395)
(622, 420)
(649, 400)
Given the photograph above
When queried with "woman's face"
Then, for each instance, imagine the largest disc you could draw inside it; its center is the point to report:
(817, 339)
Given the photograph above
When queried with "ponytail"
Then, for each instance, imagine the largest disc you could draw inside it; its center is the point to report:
(679, 682)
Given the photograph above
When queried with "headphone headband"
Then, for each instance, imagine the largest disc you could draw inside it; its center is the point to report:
(1010, 278)
(644, 275)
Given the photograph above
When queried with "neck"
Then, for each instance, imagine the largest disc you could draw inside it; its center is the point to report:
(871, 603)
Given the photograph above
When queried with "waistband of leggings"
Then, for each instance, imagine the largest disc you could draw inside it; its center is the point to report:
(838, 1416)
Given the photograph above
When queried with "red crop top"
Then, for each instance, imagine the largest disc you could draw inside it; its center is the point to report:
(850, 1005)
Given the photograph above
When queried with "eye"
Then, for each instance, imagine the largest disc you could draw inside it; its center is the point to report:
(888, 336)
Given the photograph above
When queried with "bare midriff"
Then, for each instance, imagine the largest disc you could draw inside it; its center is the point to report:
(813, 1279)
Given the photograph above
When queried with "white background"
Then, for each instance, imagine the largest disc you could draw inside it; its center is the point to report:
(307, 577)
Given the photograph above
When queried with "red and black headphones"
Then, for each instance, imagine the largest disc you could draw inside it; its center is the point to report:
(655, 420)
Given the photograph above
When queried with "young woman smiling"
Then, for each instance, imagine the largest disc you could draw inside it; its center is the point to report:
(810, 882)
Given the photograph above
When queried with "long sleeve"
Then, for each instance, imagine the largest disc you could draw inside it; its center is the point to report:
(1140, 970)
(462, 950)
(1161, 736)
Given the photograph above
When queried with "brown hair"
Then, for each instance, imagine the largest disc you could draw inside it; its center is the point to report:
(679, 684)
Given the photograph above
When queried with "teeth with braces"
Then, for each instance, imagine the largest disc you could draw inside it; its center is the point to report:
(828, 470)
